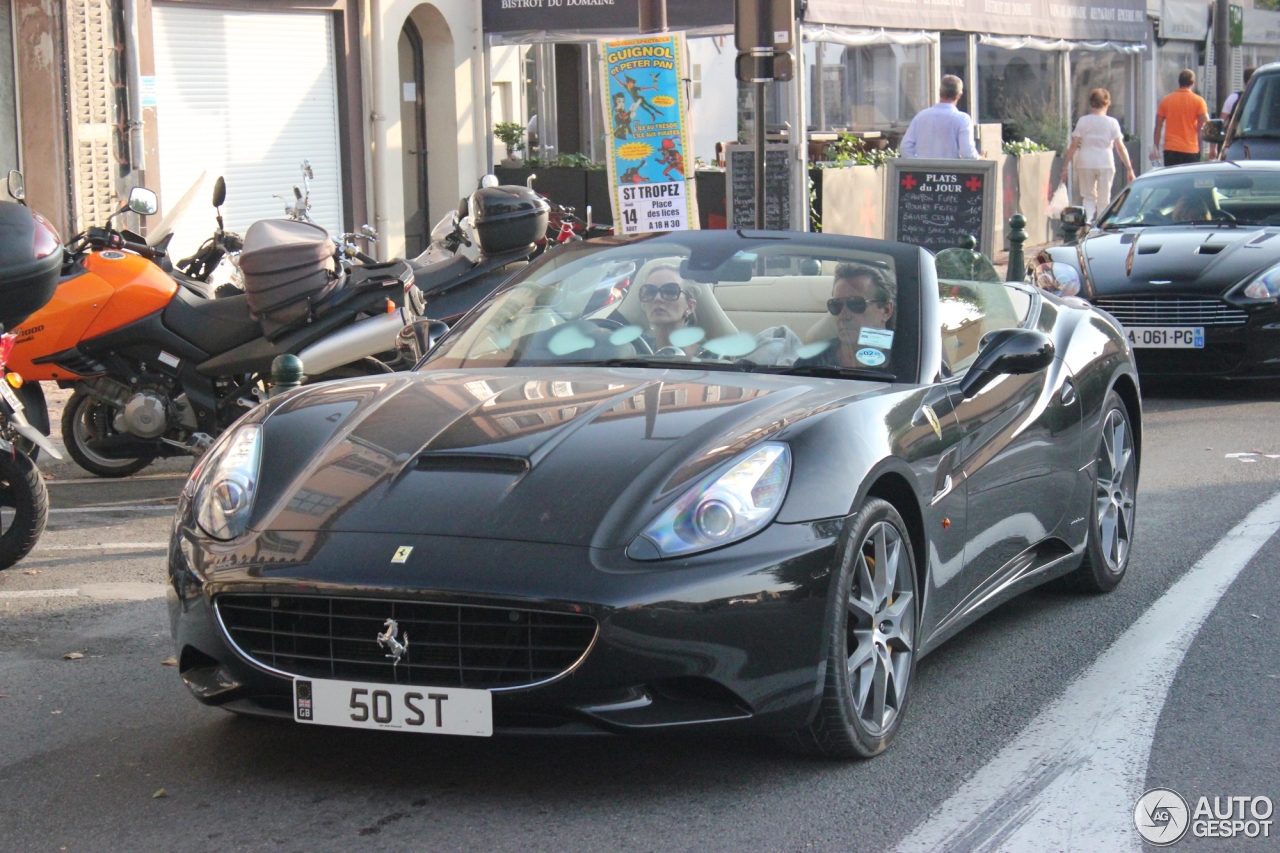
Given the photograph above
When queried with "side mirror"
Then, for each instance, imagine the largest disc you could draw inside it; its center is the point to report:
(488, 181)
(1007, 351)
(219, 192)
(143, 201)
(306, 170)
(417, 338)
(1214, 131)
(17, 186)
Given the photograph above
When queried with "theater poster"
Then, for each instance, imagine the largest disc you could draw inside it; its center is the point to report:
(650, 164)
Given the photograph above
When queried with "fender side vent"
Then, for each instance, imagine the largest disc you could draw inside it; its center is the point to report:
(1210, 248)
(475, 463)
(1148, 249)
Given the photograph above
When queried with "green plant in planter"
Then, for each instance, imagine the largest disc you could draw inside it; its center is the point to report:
(510, 134)
(1025, 146)
(849, 150)
(576, 161)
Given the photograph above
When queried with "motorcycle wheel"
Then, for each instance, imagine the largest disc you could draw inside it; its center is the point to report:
(87, 419)
(24, 506)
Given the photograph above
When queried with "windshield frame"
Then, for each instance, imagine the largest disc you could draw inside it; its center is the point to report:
(708, 250)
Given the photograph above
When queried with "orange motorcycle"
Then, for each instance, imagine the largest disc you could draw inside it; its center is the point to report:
(160, 370)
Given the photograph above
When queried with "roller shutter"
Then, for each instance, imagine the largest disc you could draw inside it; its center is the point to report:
(93, 110)
(249, 96)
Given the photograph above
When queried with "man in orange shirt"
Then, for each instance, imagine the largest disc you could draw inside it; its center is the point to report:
(1180, 116)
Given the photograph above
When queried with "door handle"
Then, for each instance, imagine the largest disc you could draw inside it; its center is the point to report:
(1068, 393)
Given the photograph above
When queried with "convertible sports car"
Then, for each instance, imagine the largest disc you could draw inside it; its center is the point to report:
(745, 493)
(1187, 259)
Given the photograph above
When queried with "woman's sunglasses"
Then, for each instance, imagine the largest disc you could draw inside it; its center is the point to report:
(856, 304)
(670, 292)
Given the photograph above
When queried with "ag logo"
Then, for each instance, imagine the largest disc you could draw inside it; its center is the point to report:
(1161, 816)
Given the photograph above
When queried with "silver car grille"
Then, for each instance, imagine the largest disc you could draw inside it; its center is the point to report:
(1172, 311)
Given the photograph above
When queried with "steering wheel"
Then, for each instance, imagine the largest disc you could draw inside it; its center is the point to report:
(1222, 215)
(639, 343)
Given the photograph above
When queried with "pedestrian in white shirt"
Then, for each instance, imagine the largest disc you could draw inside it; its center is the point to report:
(1092, 142)
(942, 132)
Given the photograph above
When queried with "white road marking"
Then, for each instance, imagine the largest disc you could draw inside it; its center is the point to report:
(39, 593)
(1070, 780)
(125, 591)
(102, 546)
(77, 481)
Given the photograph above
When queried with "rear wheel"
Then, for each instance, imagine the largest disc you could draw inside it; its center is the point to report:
(24, 506)
(86, 420)
(871, 650)
(1111, 512)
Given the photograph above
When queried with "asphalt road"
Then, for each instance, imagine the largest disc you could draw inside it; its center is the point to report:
(86, 744)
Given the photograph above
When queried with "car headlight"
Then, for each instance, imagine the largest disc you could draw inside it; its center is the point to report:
(226, 484)
(1265, 286)
(722, 508)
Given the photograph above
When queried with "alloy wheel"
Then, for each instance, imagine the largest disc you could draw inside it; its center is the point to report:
(92, 423)
(1114, 496)
(881, 628)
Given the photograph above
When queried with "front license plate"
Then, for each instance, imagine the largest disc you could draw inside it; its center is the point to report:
(400, 707)
(1166, 337)
(10, 397)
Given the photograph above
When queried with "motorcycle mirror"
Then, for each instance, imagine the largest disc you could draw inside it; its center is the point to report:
(528, 182)
(368, 232)
(297, 193)
(219, 192)
(17, 186)
(488, 181)
(463, 207)
(143, 201)
(306, 169)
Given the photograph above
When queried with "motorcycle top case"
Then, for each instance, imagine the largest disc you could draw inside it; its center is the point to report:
(508, 217)
(30, 263)
(288, 267)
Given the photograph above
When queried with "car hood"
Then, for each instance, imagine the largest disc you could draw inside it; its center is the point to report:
(574, 456)
(1177, 259)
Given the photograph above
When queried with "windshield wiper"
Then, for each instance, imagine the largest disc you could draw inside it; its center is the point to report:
(1216, 223)
(830, 371)
(634, 361)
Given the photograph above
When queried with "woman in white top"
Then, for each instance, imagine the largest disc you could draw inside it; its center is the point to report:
(1095, 136)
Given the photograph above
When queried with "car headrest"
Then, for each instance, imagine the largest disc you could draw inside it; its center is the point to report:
(708, 315)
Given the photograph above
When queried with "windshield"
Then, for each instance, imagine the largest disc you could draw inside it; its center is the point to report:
(1194, 196)
(1261, 111)
(803, 304)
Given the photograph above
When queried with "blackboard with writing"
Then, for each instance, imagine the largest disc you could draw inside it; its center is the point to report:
(935, 203)
(777, 184)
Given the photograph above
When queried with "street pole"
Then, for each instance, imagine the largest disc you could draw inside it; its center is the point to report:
(653, 16)
(1222, 51)
(759, 158)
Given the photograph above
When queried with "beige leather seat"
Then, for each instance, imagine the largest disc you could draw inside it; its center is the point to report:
(707, 315)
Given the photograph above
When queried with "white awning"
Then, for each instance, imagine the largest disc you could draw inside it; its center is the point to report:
(1031, 43)
(858, 37)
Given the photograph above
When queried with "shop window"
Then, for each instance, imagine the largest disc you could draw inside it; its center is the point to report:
(1022, 90)
(1174, 57)
(871, 87)
(1102, 69)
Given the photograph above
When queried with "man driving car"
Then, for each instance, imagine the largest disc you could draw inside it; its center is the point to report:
(862, 301)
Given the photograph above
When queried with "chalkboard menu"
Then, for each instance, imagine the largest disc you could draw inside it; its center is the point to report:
(777, 187)
(936, 203)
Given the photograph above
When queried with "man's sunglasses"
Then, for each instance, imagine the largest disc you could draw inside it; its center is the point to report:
(856, 304)
(670, 292)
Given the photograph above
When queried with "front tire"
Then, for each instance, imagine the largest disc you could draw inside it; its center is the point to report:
(1112, 510)
(87, 419)
(24, 506)
(871, 655)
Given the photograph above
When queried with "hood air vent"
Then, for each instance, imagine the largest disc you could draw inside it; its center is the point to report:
(1210, 248)
(473, 463)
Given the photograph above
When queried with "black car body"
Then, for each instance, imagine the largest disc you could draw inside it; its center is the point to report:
(1151, 273)
(526, 494)
(1253, 131)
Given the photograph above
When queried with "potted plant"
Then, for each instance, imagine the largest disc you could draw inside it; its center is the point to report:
(510, 134)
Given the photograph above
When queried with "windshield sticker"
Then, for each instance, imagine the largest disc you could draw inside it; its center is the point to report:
(870, 357)
(687, 336)
(882, 338)
(625, 335)
(1204, 183)
(731, 346)
(568, 340)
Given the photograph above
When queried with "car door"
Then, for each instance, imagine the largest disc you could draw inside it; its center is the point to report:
(1018, 450)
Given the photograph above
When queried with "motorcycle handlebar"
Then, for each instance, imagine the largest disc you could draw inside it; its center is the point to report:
(142, 249)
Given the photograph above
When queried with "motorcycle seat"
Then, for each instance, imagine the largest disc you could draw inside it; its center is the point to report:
(212, 325)
(437, 276)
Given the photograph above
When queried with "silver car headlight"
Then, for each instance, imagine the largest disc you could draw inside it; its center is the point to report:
(225, 485)
(722, 508)
(1265, 286)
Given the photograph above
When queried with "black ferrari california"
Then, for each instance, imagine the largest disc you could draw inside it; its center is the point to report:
(743, 491)
(1187, 259)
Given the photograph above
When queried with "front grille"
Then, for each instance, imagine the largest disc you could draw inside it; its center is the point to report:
(449, 645)
(1172, 311)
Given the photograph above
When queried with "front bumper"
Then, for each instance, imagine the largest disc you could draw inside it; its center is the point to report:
(1241, 351)
(731, 640)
